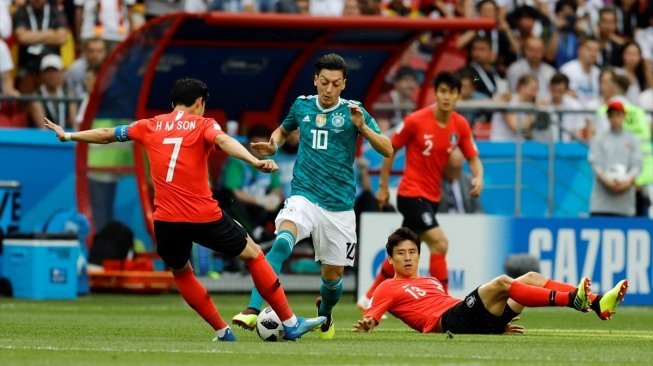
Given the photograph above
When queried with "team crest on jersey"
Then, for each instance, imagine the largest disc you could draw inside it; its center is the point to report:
(338, 120)
(320, 119)
(453, 139)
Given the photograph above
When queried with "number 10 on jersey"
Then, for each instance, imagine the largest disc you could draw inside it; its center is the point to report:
(320, 139)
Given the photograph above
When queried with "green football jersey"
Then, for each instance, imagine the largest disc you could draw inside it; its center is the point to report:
(324, 170)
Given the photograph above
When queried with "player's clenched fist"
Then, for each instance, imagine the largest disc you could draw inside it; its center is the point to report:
(266, 166)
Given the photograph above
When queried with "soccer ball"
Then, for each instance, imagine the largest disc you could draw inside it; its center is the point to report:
(269, 326)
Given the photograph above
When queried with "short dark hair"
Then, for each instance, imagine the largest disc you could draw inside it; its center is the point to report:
(479, 39)
(401, 234)
(466, 73)
(560, 78)
(258, 131)
(480, 4)
(187, 90)
(607, 10)
(447, 78)
(562, 3)
(405, 71)
(332, 61)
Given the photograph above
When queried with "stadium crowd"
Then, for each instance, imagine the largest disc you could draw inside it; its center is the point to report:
(549, 53)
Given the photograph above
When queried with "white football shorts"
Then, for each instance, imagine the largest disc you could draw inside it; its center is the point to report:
(334, 233)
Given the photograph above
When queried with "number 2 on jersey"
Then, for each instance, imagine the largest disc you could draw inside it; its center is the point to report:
(175, 153)
(427, 149)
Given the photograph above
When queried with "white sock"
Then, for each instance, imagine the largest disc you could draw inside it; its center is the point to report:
(222, 332)
(290, 322)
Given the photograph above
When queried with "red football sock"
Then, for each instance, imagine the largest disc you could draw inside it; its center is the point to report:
(533, 296)
(198, 298)
(267, 284)
(387, 271)
(439, 270)
(561, 286)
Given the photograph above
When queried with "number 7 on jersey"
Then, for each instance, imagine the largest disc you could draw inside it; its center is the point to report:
(175, 153)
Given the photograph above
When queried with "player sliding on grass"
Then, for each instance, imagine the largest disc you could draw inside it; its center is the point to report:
(430, 135)
(321, 202)
(422, 304)
(178, 145)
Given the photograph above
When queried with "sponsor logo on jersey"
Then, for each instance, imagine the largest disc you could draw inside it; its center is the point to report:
(306, 119)
(337, 130)
(338, 120)
(320, 119)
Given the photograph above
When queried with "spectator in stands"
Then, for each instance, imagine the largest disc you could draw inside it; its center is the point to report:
(93, 56)
(110, 20)
(351, 7)
(504, 44)
(468, 92)
(482, 64)
(401, 98)
(533, 64)
(239, 6)
(529, 22)
(613, 89)
(616, 160)
(5, 19)
(644, 37)
(567, 39)
(583, 73)
(155, 8)
(331, 8)
(370, 7)
(251, 197)
(637, 69)
(52, 86)
(292, 6)
(631, 15)
(456, 186)
(512, 126)
(90, 76)
(6, 70)
(609, 41)
(40, 30)
(566, 126)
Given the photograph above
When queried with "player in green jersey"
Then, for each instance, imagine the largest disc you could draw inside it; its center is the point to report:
(321, 202)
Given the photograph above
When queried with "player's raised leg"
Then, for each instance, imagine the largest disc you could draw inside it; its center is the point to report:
(495, 295)
(438, 246)
(278, 254)
(605, 305)
(267, 283)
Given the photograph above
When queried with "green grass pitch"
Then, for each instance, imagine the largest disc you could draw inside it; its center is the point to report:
(162, 330)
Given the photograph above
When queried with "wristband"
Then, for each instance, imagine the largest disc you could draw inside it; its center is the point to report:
(67, 136)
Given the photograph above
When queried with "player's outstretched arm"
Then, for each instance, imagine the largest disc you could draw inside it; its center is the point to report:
(380, 142)
(364, 325)
(383, 193)
(277, 140)
(476, 167)
(94, 136)
(233, 148)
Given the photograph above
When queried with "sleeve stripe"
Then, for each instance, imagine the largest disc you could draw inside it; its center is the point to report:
(121, 133)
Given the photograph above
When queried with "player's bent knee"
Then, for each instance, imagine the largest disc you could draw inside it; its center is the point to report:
(251, 250)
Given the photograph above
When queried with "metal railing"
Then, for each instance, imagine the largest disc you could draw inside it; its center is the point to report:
(488, 106)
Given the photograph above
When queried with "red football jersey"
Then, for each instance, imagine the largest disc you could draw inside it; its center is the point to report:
(419, 302)
(428, 146)
(178, 145)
